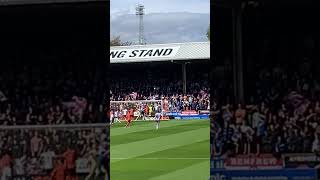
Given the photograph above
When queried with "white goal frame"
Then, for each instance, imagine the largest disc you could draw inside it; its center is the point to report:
(141, 101)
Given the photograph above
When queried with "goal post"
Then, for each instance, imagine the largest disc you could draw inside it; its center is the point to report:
(144, 110)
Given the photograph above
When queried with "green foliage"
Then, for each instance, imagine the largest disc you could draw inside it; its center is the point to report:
(116, 41)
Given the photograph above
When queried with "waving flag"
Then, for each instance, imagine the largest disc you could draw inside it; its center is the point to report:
(299, 102)
(77, 104)
(2, 96)
(134, 95)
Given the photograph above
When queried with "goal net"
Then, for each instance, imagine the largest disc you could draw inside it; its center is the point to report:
(143, 110)
(37, 150)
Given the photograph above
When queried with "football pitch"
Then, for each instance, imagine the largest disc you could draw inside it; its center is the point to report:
(179, 150)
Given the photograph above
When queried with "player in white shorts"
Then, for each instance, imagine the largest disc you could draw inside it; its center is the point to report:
(124, 113)
(116, 116)
(111, 117)
(157, 119)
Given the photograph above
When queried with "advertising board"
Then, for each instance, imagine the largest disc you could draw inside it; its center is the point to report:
(263, 161)
(189, 112)
(279, 174)
(262, 167)
(305, 160)
(187, 115)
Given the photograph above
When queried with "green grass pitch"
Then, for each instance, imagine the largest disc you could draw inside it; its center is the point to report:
(179, 150)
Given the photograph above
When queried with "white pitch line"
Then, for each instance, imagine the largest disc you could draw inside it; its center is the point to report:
(159, 158)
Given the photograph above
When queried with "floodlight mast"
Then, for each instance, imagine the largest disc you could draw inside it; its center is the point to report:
(140, 12)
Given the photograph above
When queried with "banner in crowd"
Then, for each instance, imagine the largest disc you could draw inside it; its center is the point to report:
(263, 161)
(190, 114)
(279, 174)
(308, 160)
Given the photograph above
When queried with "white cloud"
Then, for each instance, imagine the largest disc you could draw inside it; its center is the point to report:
(165, 21)
(118, 12)
(162, 27)
(164, 6)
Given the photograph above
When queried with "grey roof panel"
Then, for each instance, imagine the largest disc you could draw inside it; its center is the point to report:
(186, 51)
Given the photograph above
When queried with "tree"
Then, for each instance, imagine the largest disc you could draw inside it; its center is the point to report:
(208, 33)
(116, 41)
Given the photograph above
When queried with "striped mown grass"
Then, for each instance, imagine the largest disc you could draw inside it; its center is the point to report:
(179, 150)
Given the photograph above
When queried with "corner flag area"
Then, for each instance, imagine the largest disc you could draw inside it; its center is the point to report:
(179, 150)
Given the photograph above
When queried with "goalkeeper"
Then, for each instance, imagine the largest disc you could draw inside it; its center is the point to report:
(141, 112)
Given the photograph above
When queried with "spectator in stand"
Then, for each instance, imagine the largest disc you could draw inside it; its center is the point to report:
(282, 117)
(35, 152)
(36, 94)
(5, 165)
(36, 145)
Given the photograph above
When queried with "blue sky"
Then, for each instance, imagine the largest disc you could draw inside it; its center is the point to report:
(166, 21)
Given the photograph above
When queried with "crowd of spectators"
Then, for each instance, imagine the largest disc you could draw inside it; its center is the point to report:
(48, 153)
(196, 98)
(51, 90)
(169, 91)
(281, 115)
(52, 93)
(162, 82)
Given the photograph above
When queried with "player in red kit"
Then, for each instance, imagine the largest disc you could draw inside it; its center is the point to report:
(70, 163)
(129, 116)
(131, 113)
(58, 172)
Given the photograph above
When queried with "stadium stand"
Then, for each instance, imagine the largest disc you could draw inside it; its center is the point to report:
(281, 110)
(282, 115)
(35, 152)
(52, 91)
(156, 78)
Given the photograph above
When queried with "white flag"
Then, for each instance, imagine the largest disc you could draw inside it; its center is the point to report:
(2, 97)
